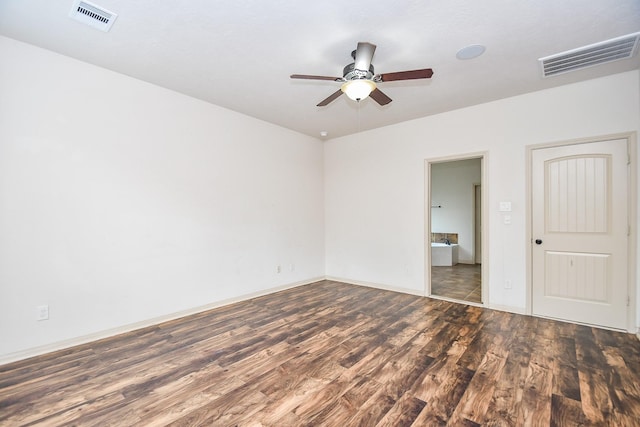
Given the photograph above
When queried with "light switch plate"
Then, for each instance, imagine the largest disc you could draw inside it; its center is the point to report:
(42, 312)
(505, 206)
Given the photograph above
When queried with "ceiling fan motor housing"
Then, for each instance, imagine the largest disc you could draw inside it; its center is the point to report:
(351, 73)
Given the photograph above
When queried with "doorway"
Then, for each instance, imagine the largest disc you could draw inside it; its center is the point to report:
(580, 234)
(477, 189)
(454, 231)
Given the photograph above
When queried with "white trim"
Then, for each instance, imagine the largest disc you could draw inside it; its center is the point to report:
(415, 292)
(508, 309)
(61, 345)
(484, 182)
(528, 167)
(632, 220)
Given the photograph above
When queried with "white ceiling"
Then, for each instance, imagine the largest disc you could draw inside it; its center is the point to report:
(239, 53)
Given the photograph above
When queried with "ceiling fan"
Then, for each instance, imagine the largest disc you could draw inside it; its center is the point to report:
(359, 79)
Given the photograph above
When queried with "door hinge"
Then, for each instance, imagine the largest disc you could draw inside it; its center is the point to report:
(628, 300)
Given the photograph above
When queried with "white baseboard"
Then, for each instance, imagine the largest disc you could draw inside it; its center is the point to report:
(507, 308)
(61, 345)
(498, 307)
(376, 286)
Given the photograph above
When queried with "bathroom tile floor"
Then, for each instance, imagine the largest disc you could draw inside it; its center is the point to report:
(461, 281)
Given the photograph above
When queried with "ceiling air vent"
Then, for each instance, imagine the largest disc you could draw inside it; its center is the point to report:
(588, 56)
(92, 15)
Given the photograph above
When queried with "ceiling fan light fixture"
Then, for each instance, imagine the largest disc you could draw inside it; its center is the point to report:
(358, 90)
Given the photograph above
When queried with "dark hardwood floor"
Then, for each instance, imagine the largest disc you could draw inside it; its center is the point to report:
(461, 282)
(336, 355)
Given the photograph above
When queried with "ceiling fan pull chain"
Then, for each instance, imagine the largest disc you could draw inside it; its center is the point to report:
(358, 114)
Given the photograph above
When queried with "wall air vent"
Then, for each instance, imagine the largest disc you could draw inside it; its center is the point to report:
(588, 56)
(92, 15)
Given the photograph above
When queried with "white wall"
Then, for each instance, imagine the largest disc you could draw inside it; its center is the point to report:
(374, 182)
(452, 188)
(121, 201)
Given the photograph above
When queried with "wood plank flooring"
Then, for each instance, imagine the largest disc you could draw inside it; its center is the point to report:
(461, 281)
(331, 354)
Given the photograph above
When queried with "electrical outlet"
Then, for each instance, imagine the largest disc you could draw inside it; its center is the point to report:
(507, 284)
(42, 312)
(278, 269)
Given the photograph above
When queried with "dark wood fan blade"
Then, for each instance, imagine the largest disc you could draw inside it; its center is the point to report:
(330, 99)
(306, 77)
(364, 55)
(380, 97)
(425, 73)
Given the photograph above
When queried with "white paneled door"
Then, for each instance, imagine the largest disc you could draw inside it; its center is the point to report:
(579, 230)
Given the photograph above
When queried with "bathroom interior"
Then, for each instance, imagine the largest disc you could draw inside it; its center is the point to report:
(455, 234)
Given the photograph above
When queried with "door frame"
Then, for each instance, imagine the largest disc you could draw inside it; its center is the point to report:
(477, 231)
(484, 197)
(632, 208)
